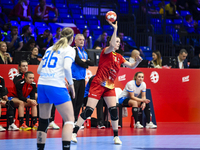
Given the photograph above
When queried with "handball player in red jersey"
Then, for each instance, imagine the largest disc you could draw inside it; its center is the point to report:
(103, 84)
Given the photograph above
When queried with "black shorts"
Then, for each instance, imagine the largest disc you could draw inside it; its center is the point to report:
(125, 102)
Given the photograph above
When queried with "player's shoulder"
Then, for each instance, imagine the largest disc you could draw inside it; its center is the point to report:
(1, 77)
(143, 84)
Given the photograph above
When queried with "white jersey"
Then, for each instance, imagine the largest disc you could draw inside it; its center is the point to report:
(132, 87)
(52, 72)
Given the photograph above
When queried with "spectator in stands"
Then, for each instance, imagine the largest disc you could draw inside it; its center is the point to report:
(44, 41)
(170, 10)
(130, 96)
(161, 6)
(57, 36)
(134, 54)
(157, 60)
(27, 34)
(4, 24)
(21, 10)
(88, 39)
(29, 45)
(124, 46)
(196, 10)
(19, 95)
(182, 5)
(4, 56)
(41, 12)
(101, 41)
(100, 116)
(82, 61)
(34, 57)
(190, 25)
(195, 62)
(148, 7)
(181, 61)
(9, 105)
(14, 41)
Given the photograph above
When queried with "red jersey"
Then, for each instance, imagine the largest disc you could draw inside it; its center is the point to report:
(22, 90)
(108, 68)
(38, 11)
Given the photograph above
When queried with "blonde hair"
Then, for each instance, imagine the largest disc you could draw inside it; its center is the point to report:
(136, 74)
(158, 61)
(66, 35)
(1, 53)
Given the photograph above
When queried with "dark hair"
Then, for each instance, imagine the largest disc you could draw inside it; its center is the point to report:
(84, 30)
(58, 28)
(136, 74)
(183, 51)
(187, 17)
(32, 48)
(14, 27)
(108, 40)
(25, 28)
(20, 63)
(27, 73)
(47, 31)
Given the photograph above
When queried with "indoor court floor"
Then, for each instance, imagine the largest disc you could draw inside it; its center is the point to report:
(168, 136)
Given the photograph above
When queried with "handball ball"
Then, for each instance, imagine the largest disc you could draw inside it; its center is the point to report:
(111, 16)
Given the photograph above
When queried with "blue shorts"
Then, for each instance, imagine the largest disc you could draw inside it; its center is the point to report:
(10, 98)
(52, 95)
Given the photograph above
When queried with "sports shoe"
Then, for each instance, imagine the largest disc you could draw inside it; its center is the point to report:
(138, 125)
(13, 127)
(2, 129)
(35, 126)
(117, 140)
(52, 125)
(119, 126)
(101, 125)
(74, 139)
(24, 127)
(150, 125)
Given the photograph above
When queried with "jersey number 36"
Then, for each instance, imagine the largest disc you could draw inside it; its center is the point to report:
(50, 60)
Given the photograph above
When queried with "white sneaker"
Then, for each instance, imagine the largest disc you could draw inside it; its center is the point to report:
(13, 127)
(74, 139)
(150, 125)
(2, 129)
(82, 127)
(52, 125)
(138, 125)
(117, 140)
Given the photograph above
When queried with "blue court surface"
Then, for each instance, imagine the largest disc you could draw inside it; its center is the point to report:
(144, 142)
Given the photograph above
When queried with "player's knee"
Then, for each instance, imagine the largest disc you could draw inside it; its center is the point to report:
(87, 112)
(43, 124)
(113, 113)
(69, 122)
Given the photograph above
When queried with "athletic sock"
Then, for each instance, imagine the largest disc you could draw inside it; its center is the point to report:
(21, 120)
(147, 112)
(115, 133)
(76, 129)
(10, 120)
(66, 145)
(34, 119)
(40, 146)
(135, 113)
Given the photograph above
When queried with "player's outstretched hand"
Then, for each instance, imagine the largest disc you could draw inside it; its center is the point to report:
(112, 24)
(71, 90)
(143, 106)
(139, 59)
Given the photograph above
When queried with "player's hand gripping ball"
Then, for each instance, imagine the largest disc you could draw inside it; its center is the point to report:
(111, 16)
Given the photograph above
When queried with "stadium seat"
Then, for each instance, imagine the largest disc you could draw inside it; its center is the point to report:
(40, 27)
(130, 41)
(76, 11)
(147, 52)
(74, 6)
(183, 13)
(107, 27)
(93, 22)
(89, 17)
(178, 21)
(157, 23)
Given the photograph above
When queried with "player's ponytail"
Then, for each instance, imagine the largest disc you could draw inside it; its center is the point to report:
(66, 35)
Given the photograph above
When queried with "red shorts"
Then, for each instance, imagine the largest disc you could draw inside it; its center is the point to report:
(97, 90)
